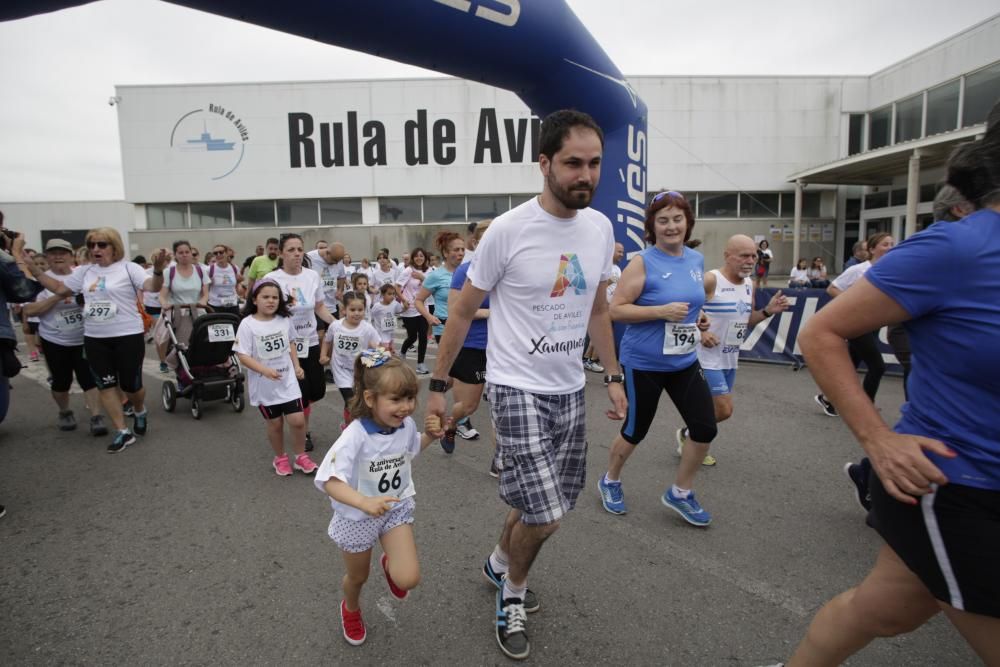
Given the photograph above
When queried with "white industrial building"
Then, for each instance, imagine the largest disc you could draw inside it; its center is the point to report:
(387, 162)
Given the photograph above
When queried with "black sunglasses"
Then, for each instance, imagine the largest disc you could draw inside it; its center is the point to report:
(97, 244)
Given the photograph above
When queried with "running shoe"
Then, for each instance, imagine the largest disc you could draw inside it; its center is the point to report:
(305, 464)
(681, 435)
(97, 426)
(827, 406)
(164, 368)
(422, 370)
(353, 624)
(34, 355)
(127, 409)
(140, 422)
(282, 466)
(858, 474)
(3, 511)
(592, 366)
(688, 508)
(448, 440)
(612, 496)
(309, 441)
(122, 440)
(396, 591)
(466, 430)
(66, 421)
(531, 604)
(512, 635)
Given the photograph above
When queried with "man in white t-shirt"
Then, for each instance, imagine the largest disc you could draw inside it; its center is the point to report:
(545, 266)
(471, 241)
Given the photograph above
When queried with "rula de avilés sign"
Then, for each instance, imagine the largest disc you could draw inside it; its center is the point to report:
(352, 143)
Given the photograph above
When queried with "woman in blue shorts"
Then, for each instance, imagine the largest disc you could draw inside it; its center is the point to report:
(935, 486)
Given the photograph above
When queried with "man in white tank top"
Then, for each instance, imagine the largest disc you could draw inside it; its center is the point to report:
(729, 306)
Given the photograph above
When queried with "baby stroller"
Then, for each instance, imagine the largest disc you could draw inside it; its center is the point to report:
(202, 355)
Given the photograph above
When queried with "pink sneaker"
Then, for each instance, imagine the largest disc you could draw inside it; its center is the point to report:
(353, 624)
(282, 466)
(34, 355)
(304, 463)
(396, 591)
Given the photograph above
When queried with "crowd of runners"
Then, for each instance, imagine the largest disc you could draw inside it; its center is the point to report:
(518, 308)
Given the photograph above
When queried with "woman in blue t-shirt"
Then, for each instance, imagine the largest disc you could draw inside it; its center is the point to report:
(935, 487)
(660, 296)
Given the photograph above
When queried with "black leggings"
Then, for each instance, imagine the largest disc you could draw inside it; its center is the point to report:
(864, 348)
(416, 331)
(63, 361)
(687, 389)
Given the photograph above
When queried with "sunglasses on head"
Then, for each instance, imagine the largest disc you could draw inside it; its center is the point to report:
(97, 244)
(661, 195)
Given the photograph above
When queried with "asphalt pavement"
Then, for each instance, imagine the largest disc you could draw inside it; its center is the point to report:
(187, 549)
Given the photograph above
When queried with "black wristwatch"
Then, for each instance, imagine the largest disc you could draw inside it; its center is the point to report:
(440, 386)
(608, 379)
(763, 311)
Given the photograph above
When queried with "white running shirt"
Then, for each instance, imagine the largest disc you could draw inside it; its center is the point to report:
(729, 313)
(269, 342)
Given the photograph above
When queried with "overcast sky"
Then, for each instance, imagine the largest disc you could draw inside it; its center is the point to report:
(59, 136)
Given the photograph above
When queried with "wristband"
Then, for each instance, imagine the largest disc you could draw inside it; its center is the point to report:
(765, 313)
(158, 273)
(439, 386)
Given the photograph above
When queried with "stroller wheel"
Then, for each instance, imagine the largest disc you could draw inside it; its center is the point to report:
(238, 400)
(196, 408)
(169, 396)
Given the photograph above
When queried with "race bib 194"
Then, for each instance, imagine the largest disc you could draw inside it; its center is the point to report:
(679, 338)
(388, 476)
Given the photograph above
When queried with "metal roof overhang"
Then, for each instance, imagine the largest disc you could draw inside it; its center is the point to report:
(878, 167)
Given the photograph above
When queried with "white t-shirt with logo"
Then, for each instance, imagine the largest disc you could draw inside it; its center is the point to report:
(222, 285)
(374, 464)
(63, 323)
(616, 275)
(328, 273)
(345, 346)
(304, 290)
(408, 286)
(380, 277)
(542, 273)
(384, 318)
(109, 295)
(729, 313)
(269, 342)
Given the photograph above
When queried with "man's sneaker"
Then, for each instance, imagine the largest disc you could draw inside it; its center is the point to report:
(494, 471)
(396, 591)
(858, 474)
(164, 368)
(592, 366)
(827, 406)
(448, 440)
(353, 624)
(309, 441)
(688, 508)
(97, 426)
(140, 422)
(531, 604)
(122, 440)
(305, 464)
(422, 369)
(465, 430)
(282, 466)
(127, 409)
(512, 633)
(681, 435)
(66, 421)
(612, 496)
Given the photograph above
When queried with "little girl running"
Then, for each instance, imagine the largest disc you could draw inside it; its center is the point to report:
(384, 315)
(263, 344)
(367, 476)
(343, 342)
(359, 283)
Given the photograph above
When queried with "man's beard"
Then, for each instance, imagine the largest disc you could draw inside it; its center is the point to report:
(572, 199)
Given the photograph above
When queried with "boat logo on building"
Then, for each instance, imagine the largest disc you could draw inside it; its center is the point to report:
(209, 141)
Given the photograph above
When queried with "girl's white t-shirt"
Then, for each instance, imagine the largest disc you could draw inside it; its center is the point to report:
(109, 295)
(184, 289)
(408, 286)
(222, 285)
(269, 342)
(63, 323)
(371, 462)
(384, 319)
(303, 290)
(380, 277)
(346, 345)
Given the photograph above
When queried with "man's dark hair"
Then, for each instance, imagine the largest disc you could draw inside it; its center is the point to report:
(272, 240)
(470, 228)
(556, 127)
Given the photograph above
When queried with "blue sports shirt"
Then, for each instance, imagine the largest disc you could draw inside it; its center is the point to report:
(477, 336)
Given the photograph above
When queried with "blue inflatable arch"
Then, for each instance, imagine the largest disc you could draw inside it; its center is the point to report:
(537, 49)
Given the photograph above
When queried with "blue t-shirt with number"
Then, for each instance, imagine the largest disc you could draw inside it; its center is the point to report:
(438, 282)
(954, 384)
(477, 336)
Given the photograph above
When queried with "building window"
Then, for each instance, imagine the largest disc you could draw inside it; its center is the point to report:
(811, 202)
(928, 191)
(490, 206)
(254, 213)
(211, 214)
(909, 118)
(856, 127)
(852, 208)
(759, 205)
(717, 204)
(297, 212)
(340, 211)
(877, 199)
(942, 108)
(897, 197)
(444, 209)
(879, 125)
(982, 89)
(166, 216)
(399, 209)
